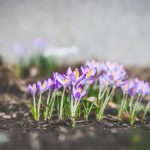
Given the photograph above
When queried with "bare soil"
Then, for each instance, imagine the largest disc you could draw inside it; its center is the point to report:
(18, 130)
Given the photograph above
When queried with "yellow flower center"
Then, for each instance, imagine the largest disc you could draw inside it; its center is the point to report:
(66, 80)
(76, 72)
(89, 74)
(44, 85)
(79, 90)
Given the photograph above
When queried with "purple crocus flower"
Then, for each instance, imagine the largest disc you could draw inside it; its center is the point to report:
(57, 85)
(129, 87)
(142, 87)
(51, 83)
(32, 89)
(89, 75)
(75, 76)
(115, 78)
(63, 80)
(69, 71)
(94, 65)
(42, 87)
(78, 92)
(113, 67)
(114, 74)
(103, 82)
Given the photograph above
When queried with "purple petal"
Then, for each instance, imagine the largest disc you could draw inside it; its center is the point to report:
(87, 69)
(50, 83)
(72, 77)
(60, 79)
(111, 77)
(83, 93)
(39, 85)
(69, 71)
(79, 87)
(32, 89)
(82, 77)
(74, 91)
(82, 69)
(77, 96)
(57, 85)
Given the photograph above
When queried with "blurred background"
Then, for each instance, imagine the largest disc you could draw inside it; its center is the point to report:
(38, 37)
(76, 30)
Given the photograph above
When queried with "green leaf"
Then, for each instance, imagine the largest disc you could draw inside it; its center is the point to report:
(59, 93)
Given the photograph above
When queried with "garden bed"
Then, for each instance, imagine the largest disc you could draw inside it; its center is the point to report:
(19, 131)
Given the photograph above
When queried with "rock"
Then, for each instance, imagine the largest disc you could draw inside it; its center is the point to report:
(125, 116)
(2, 114)
(112, 105)
(26, 114)
(6, 117)
(34, 71)
(113, 130)
(62, 137)
(109, 125)
(14, 115)
(63, 129)
(125, 125)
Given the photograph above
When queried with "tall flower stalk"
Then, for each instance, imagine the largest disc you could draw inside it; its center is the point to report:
(61, 104)
(88, 89)
(103, 103)
(123, 105)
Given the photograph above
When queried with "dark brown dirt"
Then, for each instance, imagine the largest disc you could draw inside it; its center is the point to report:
(18, 130)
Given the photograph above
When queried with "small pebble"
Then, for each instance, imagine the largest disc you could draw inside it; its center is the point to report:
(34, 71)
(26, 114)
(2, 114)
(125, 125)
(14, 115)
(62, 137)
(63, 129)
(10, 107)
(113, 130)
(110, 125)
(6, 117)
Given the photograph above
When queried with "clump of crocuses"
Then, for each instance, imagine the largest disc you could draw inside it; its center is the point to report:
(87, 90)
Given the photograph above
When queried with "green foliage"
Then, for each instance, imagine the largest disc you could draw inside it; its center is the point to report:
(46, 65)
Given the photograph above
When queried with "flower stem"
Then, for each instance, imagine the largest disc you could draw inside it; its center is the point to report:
(104, 104)
(145, 111)
(52, 106)
(135, 110)
(121, 108)
(34, 104)
(38, 110)
(61, 104)
(47, 103)
(73, 122)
